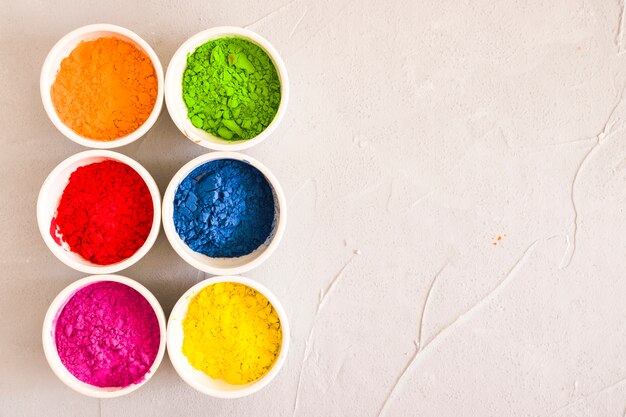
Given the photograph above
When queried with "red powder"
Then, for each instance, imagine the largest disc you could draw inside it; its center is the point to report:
(105, 213)
(107, 335)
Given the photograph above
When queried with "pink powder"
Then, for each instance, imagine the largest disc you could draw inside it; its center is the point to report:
(107, 335)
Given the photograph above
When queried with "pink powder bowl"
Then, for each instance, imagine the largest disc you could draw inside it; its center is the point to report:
(104, 335)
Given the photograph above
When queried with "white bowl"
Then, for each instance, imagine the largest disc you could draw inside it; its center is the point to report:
(62, 50)
(224, 266)
(50, 195)
(174, 88)
(49, 341)
(198, 379)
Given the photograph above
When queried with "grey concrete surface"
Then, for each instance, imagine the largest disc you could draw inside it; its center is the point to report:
(416, 134)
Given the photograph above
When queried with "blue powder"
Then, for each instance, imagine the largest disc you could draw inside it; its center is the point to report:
(224, 209)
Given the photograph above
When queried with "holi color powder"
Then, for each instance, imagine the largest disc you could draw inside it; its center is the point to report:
(231, 332)
(105, 89)
(224, 209)
(231, 88)
(107, 335)
(105, 213)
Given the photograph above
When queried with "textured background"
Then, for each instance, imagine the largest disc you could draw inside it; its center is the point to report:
(417, 133)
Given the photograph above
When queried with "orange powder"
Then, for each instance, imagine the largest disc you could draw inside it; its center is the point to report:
(105, 89)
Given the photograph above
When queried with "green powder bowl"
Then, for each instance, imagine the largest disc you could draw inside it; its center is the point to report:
(208, 110)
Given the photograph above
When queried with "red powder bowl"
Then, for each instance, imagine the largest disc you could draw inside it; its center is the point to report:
(114, 242)
(119, 305)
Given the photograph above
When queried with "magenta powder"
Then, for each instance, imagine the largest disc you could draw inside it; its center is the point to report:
(107, 335)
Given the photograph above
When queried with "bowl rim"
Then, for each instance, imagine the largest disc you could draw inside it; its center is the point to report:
(63, 255)
(52, 355)
(45, 85)
(177, 243)
(179, 311)
(174, 92)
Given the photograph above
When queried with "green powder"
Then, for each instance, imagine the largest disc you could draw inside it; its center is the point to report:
(231, 88)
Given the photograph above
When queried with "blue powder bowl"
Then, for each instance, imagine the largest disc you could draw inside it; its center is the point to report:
(224, 213)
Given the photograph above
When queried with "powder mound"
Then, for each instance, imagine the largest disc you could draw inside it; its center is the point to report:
(107, 335)
(105, 89)
(224, 209)
(105, 213)
(231, 88)
(231, 332)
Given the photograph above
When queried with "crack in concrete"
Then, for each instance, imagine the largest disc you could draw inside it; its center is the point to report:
(273, 12)
(301, 188)
(307, 346)
(540, 148)
(459, 321)
(399, 378)
(411, 205)
(619, 36)
(564, 257)
(555, 145)
(430, 289)
(418, 341)
(328, 23)
(620, 166)
(353, 195)
(566, 260)
(298, 23)
(600, 137)
(339, 370)
(419, 200)
(198, 276)
(324, 293)
(388, 205)
(313, 236)
(586, 397)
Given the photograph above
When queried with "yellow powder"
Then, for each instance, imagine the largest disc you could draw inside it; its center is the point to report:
(231, 332)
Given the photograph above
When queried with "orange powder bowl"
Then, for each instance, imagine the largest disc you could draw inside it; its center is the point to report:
(130, 129)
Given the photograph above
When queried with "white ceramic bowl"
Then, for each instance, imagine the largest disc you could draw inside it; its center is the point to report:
(62, 50)
(50, 195)
(49, 342)
(224, 266)
(174, 88)
(198, 379)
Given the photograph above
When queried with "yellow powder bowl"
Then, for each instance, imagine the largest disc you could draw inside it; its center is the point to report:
(196, 312)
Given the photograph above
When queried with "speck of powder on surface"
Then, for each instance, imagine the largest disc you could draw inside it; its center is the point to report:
(224, 209)
(107, 335)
